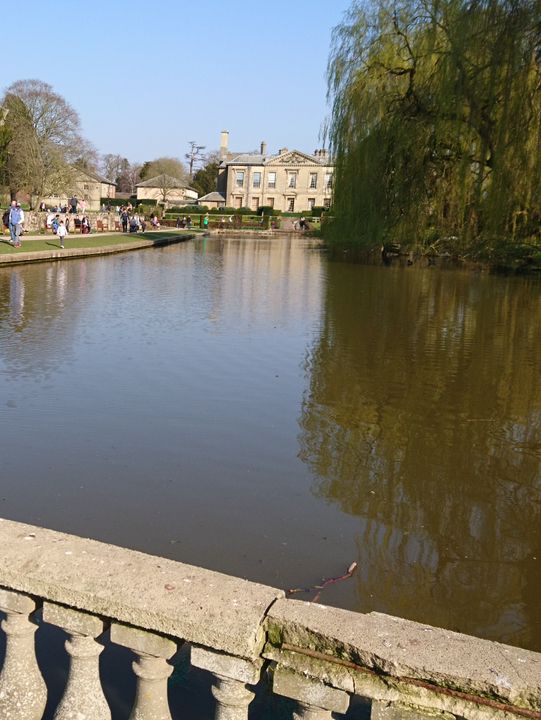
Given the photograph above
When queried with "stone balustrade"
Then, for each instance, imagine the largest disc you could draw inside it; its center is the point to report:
(322, 658)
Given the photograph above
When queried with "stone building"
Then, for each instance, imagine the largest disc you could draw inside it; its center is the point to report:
(84, 185)
(289, 180)
(167, 190)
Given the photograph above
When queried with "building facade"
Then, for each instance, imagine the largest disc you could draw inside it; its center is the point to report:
(167, 191)
(290, 181)
(84, 185)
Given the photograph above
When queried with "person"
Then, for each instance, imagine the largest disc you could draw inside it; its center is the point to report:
(154, 222)
(61, 231)
(55, 223)
(73, 204)
(42, 206)
(302, 223)
(67, 224)
(134, 225)
(85, 225)
(178, 223)
(206, 222)
(143, 223)
(124, 218)
(5, 218)
(189, 222)
(16, 220)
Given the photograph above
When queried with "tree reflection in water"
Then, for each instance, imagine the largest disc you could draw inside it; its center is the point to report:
(422, 417)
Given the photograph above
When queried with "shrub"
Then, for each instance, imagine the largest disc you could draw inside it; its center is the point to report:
(318, 210)
(268, 210)
(186, 209)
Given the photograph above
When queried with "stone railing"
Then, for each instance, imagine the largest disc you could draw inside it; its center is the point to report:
(323, 658)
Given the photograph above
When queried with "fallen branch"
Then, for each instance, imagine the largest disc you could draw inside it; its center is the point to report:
(324, 583)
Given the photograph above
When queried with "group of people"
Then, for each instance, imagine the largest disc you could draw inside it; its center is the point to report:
(134, 222)
(73, 206)
(184, 222)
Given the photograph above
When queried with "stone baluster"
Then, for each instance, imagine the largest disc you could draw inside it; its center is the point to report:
(231, 676)
(317, 701)
(83, 697)
(151, 669)
(23, 693)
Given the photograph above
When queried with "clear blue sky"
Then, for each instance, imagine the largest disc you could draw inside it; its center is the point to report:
(147, 77)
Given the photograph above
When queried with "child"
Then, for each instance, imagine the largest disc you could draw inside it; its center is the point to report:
(61, 232)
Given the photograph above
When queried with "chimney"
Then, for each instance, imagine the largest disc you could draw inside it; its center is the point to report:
(282, 151)
(263, 148)
(224, 143)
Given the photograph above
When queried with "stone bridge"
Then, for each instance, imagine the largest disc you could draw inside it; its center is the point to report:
(322, 658)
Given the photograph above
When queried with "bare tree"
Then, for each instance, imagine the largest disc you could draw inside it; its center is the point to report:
(194, 156)
(44, 139)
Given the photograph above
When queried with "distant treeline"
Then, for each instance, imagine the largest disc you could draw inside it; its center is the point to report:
(436, 126)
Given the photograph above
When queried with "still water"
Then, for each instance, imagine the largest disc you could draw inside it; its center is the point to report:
(251, 407)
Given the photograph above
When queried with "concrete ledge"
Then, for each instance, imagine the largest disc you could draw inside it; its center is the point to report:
(186, 602)
(405, 650)
(70, 253)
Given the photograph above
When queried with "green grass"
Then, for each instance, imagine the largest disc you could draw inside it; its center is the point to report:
(50, 242)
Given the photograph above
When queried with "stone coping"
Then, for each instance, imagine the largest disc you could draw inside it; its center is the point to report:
(70, 253)
(404, 649)
(373, 654)
(186, 602)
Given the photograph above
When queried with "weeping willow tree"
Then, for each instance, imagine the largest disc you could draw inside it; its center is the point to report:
(435, 124)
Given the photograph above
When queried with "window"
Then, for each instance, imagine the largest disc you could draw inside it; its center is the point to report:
(291, 204)
(313, 180)
(327, 203)
(270, 202)
(85, 187)
(328, 181)
(255, 203)
(257, 179)
(240, 178)
(272, 180)
(311, 203)
(292, 180)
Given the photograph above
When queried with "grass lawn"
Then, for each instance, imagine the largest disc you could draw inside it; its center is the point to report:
(50, 242)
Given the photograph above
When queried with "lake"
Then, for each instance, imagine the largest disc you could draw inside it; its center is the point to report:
(247, 405)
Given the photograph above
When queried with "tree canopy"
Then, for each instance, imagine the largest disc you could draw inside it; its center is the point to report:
(206, 178)
(42, 139)
(435, 125)
(164, 166)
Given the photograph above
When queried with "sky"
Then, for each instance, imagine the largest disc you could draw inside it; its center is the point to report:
(146, 78)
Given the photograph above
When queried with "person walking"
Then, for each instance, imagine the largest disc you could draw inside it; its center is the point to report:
(16, 220)
(61, 232)
(124, 218)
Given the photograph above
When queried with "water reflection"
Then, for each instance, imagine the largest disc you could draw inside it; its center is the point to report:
(152, 400)
(423, 419)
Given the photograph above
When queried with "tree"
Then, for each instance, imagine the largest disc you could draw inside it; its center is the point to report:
(194, 156)
(205, 179)
(44, 140)
(164, 166)
(436, 123)
(125, 175)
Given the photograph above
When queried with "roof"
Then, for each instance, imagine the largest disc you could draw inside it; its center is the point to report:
(213, 197)
(93, 175)
(289, 157)
(247, 159)
(164, 180)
